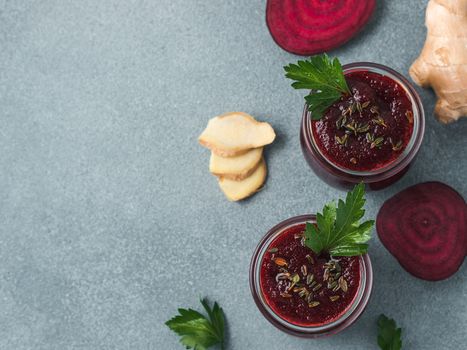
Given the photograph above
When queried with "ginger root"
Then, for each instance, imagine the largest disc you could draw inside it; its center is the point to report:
(236, 141)
(237, 167)
(234, 133)
(238, 190)
(442, 63)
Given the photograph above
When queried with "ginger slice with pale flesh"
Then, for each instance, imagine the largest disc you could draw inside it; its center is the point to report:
(238, 190)
(236, 167)
(234, 133)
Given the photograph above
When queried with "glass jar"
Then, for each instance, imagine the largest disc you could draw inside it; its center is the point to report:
(380, 178)
(353, 311)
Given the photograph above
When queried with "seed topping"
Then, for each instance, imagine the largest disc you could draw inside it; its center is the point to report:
(313, 303)
(409, 116)
(378, 142)
(280, 262)
(342, 140)
(304, 270)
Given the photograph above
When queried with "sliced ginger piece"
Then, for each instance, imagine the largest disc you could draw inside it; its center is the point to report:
(234, 133)
(238, 190)
(236, 167)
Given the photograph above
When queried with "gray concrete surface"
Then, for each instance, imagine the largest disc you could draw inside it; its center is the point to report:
(109, 218)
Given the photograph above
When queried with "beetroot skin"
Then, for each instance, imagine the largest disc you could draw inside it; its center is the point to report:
(425, 228)
(307, 27)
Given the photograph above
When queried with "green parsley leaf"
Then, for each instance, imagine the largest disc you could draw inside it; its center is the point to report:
(389, 336)
(196, 331)
(324, 77)
(338, 230)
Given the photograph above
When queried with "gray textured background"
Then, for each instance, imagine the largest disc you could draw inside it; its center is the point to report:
(109, 217)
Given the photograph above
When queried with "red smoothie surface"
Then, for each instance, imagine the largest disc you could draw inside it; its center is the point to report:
(368, 129)
(299, 303)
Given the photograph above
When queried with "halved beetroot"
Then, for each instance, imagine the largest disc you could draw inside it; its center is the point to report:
(306, 27)
(425, 228)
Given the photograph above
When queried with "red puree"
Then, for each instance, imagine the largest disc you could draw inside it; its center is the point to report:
(300, 307)
(369, 129)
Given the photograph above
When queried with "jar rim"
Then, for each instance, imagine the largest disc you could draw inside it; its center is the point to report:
(349, 316)
(410, 150)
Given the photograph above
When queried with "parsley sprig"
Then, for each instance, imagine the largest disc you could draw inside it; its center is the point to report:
(324, 77)
(197, 331)
(389, 336)
(338, 230)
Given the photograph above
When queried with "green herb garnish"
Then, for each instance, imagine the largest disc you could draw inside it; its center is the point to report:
(196, 331)
(324, 77)
(389, 336)
(337, 230)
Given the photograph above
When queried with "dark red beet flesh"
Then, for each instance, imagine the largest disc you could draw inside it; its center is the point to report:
(307, 27)
(425, 228)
